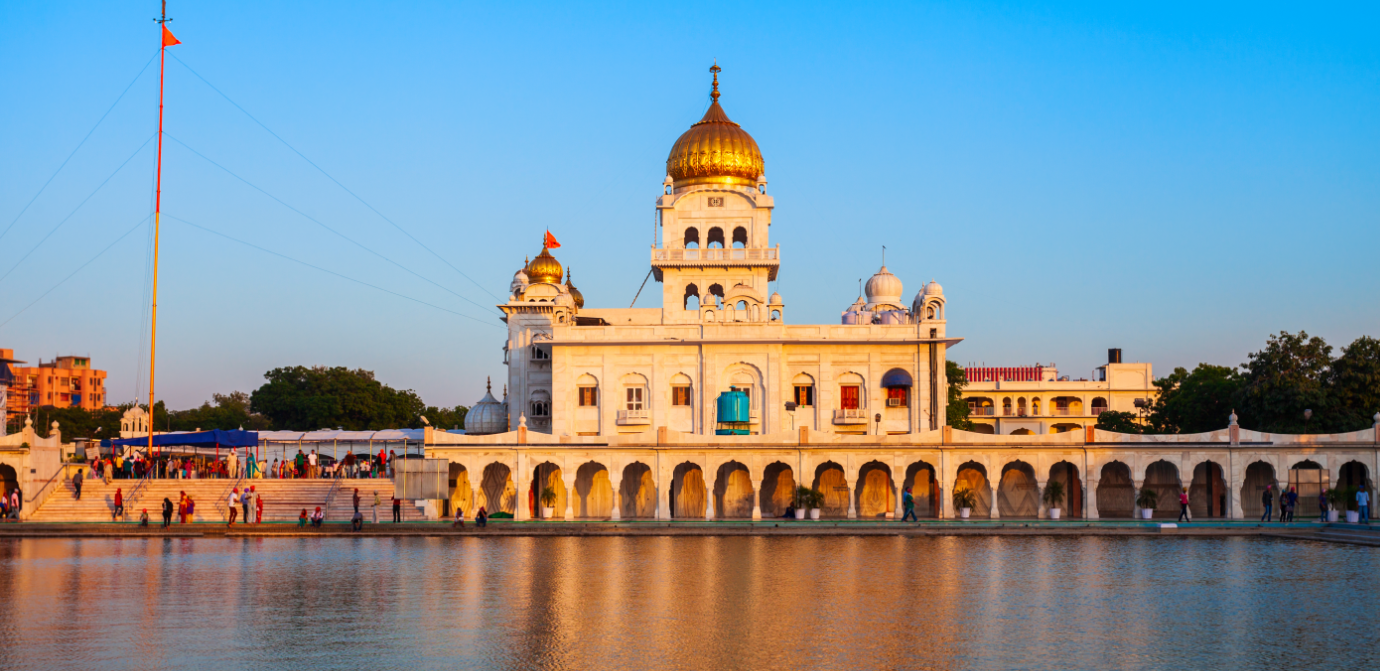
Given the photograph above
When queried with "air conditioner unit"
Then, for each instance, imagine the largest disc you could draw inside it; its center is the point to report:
(893, 403)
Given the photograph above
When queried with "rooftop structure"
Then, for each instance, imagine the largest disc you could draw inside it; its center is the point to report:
(1036, 400)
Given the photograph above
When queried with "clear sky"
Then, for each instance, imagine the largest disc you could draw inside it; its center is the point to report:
(1178, 180)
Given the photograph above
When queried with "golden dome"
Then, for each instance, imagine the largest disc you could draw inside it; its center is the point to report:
(715, 150)
(575, 294)
(545, 268)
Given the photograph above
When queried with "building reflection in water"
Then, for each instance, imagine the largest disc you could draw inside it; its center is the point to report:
(692, 603)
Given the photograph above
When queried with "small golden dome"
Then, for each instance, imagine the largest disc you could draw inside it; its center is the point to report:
(575, 294)
(715, 150)
(545, 268)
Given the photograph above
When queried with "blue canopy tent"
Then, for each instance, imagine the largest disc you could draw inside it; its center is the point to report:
(216, 438)
(194, 439)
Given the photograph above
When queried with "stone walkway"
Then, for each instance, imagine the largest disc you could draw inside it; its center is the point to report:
(1343, 533)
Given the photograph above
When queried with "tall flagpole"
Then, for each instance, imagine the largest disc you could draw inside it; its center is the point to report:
(165, 39)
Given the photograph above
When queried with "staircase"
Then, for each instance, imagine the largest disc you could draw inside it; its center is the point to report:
(283, 499)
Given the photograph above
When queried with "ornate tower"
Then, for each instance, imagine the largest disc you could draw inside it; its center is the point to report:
(714, 259)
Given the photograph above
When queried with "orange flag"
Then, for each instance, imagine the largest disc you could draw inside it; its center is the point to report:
(550, 241)
(168, 39)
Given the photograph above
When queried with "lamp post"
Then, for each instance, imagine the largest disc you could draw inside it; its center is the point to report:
(878, 419)
(790, 407)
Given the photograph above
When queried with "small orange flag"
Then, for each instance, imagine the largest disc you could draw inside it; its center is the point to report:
(168, 39)
(550, 241)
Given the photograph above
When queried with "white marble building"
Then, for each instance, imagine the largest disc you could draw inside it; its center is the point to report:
(612, 411)
(584, 371)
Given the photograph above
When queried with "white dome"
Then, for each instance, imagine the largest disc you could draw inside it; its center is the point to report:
(884, 288)
(487, 416)
(775, 299)
(933, 289)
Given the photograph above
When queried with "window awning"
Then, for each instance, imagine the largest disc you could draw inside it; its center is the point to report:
(897, 378)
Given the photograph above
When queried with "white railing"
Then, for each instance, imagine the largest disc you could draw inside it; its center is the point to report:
(759, 254)
(634, 417)
(850, 416)
(982, 412)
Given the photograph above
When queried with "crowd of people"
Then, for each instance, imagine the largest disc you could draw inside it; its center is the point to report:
(234, 466)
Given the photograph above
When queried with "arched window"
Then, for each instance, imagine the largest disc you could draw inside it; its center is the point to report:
(635, 397)
(1020, 406)
(716, 238)
(692, 293)
(692, 238)
(850, 391)
(776, 315)
(680, 390)
(1006, 406)
(709, 316)
(742, 305)
(541, 403)
(740, 238)
(804, 390)
(717, 291)
(588, 390)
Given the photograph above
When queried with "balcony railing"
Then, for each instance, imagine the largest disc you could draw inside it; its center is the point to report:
(850, 416)
(982, 412)
(634, 417)
(1065, 412)
(727, 254)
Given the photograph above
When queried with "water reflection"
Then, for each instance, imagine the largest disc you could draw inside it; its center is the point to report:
(686, 603)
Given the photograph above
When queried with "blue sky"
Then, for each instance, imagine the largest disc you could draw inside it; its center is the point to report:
(1178, 180)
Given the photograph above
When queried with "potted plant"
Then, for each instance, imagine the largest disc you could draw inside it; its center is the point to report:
(1146, 502)
(1054, 497)
(1353, 510)
(548, 502)
(813, 500)
(1336, 500)
(802, 494)
(964, 500)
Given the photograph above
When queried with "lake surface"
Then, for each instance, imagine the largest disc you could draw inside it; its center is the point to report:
(687, 603)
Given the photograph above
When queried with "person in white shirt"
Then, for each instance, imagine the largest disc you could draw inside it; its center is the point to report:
(311, 464)
(234, 506)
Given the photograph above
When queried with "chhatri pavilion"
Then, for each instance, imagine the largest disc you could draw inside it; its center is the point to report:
(616, 409)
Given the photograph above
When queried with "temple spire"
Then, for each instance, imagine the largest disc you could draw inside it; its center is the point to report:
(716, 70)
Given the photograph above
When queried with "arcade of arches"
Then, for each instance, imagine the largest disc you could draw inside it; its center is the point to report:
(685, 484)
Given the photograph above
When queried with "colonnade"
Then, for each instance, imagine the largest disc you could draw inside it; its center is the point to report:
(686, 483)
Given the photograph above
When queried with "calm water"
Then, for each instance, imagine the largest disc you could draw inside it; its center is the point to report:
(687, 603)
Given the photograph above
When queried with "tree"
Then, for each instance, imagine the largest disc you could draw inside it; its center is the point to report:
(443, 418)
(305, 399)
(1281, 381)
(102, 424)
(231, 411)
(1120, 422)
(957, 410)
(1354, 385)
(1195, 402)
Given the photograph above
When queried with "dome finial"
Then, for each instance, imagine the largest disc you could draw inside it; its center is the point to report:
(488, 384)
(716, 70)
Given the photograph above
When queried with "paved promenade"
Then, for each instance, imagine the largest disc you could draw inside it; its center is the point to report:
(1347, 533)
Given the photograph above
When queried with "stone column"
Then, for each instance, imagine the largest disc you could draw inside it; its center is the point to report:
(616, 479)
(1234, 483)
(1135, 509)
(757, 476)
(1090, 500)
(1042, 509)
(664, 480)
(522, 513)
(568, 478)
(710, 482)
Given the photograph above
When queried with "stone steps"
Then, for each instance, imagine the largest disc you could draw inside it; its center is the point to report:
(283, 499)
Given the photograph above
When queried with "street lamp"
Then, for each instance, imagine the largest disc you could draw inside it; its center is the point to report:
(790, 407)
(878, 420)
